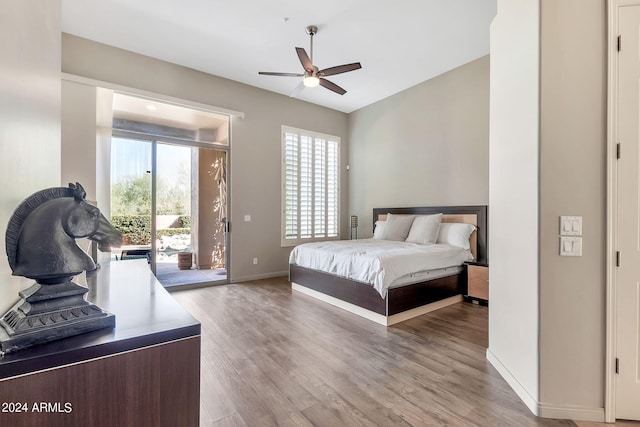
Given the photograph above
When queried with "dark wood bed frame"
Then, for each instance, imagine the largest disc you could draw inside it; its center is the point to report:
(412, 300)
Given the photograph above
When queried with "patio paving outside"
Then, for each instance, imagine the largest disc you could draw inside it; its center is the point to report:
(169, 275)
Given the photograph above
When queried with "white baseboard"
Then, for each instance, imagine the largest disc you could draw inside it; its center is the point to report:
(252, 277)
(530, 401)
(371, 315)
(545, 410)
(572, 413)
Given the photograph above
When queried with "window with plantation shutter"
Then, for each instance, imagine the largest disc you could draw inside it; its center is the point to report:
(310, 186)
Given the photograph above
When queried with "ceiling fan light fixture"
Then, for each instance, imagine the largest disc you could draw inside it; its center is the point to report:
(313, 77)
(311, 81)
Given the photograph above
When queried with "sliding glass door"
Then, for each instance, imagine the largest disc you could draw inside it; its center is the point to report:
(168, 197)
(131, 195)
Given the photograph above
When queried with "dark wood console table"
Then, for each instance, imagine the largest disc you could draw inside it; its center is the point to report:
(146, 371)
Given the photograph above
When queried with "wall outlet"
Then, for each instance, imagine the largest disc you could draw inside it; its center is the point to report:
(255, 261)
(247, 218)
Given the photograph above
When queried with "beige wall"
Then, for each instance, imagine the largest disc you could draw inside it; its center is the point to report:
(547, 313)
(573, 182)
(255, 157)
(29, 114)
(513, 197)
(425, 146)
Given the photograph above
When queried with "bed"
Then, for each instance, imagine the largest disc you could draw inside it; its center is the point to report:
(390, 302)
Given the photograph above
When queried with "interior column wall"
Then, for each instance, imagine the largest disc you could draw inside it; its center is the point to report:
(79, 136)
(513, 197)
(29, 113)
(103, 134)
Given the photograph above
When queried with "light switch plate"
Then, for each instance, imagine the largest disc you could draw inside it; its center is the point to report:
(571, 226)
(570, 246)
(247, 218)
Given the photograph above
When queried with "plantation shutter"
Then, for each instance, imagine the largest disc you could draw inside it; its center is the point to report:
(311, 193)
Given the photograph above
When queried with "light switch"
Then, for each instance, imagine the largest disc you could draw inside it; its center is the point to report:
(570, 246)
(571, 226)
(576, 226)
(247, 218)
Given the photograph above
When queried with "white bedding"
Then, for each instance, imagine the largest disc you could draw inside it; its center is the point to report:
(374, 261)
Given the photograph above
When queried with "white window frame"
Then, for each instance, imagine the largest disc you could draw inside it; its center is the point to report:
(316, 235)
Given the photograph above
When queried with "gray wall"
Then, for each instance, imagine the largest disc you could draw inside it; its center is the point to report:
(573, 182)
(255, 159)
(29, 114)
(425, 146)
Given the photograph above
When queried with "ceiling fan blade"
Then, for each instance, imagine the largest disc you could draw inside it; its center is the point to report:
(304, 59)
(297, 90)
(332, 86)
(340, 69)
(268, 73)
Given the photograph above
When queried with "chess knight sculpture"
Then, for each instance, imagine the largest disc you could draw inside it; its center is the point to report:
(40, 243)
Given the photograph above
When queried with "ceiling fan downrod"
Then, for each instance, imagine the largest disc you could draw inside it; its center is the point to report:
(312, 30)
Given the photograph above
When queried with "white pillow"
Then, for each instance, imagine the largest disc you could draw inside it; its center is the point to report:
(379, 229)
(455, 234)
(424, 229)
(397, 227)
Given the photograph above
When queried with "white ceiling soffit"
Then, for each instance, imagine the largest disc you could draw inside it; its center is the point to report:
(399, 43)
(161, 113)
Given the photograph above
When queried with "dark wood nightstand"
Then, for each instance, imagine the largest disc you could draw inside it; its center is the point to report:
(478, 280)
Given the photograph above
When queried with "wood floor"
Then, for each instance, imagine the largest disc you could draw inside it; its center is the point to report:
(270, 357)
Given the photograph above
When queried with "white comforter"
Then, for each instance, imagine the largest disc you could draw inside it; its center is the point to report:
(374, 261)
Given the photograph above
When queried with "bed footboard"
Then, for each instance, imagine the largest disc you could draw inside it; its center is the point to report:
(356, 293)
(411, 296)
(398, 299)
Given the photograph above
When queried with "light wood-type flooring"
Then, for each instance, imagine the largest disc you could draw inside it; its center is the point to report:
(273, 357)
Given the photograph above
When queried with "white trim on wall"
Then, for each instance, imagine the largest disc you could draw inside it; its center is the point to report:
(571, 412)
(252, 277)
(151, 95)
(530, 401)
(610, 327)
(543, 409)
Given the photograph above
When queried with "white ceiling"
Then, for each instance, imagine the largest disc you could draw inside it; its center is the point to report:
(399, 43)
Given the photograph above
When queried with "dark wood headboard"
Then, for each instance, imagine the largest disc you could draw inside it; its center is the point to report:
(455, 214)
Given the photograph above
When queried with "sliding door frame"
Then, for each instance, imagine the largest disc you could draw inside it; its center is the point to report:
(154, 141)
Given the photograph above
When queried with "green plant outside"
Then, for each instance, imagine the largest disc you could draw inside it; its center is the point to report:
(136, 229)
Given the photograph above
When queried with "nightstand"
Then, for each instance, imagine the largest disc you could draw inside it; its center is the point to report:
(478, 280)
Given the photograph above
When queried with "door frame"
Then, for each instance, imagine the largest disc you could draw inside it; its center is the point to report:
(104, 117)
(154, 141)
(612, 201)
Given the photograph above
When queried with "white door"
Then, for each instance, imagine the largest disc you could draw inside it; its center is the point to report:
(628, 220)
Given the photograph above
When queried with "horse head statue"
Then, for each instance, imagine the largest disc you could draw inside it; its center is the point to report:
(40, 239)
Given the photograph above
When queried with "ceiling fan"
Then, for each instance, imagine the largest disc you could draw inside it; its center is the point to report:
(313, 77)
